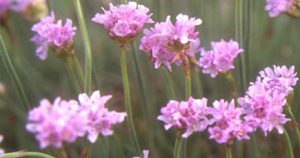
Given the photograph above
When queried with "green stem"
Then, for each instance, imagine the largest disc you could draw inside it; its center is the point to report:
(12, 73)
(178, 145)
(228, 152)
(288, 144)
(239, 38)
(188, 89)
(27, 154)
(296, 128)
(87, 46)
(128, 98)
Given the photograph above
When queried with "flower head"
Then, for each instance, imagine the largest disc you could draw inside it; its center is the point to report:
(50, 33)
(99, 118)
(276, 7)
(56, 123)
(220, 58)
(265, 98)
(227, 123)
(123, 22)
(189, 116)
(168, 43)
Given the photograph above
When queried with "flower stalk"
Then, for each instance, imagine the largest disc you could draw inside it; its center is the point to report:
(87, 46)
(13, 73)
(127, 98)
(288, 144)
(228, 151)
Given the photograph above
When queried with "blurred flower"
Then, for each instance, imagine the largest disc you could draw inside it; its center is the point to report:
(189, 116)
(99, 119)
(167, 43)
(227, 121)
(4, 6)
(64, 121)
(123, 22)
(1, 150)
(265, 99)
(145, 154)
(55, 35)
(220, 58)
(30, 9)
(276, 7)
(53, 124)
(2, 88)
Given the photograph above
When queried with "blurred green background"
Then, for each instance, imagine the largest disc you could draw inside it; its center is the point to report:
(267, 41)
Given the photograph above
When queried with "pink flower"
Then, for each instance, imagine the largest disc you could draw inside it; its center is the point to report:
(220, 58)
(265, 99)
(276, 7)
(56, 123)
(168, 43)
(123, 22)
(99, 118)
(189, 116)
(53, 34)
(227, 123)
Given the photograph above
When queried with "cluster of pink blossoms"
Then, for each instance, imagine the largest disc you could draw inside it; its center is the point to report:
(228, 124)
(265, 99)
(189, 116)
(64, 121)
(52, 33)
(277, 7)
(223, 120)
(124, 22)
(220, 58)
(167, 43)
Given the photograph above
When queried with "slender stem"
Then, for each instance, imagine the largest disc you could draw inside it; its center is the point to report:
(228, 152)
(13, 74)
(27, 154)
(296, 128)
(87, 46)
(233, 85)
(188, 89)
(61, 153)
(288, 144)
(128, 98)
(178, 145)
(239, 38)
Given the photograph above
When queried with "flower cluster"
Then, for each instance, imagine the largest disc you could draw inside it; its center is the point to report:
(124, 22)
(223, 120)
(189, 116)
(220, 58)
(228, 124)
(50, 33)
(276, 7)
(64, 121)
(265, 98)
(168, 43)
